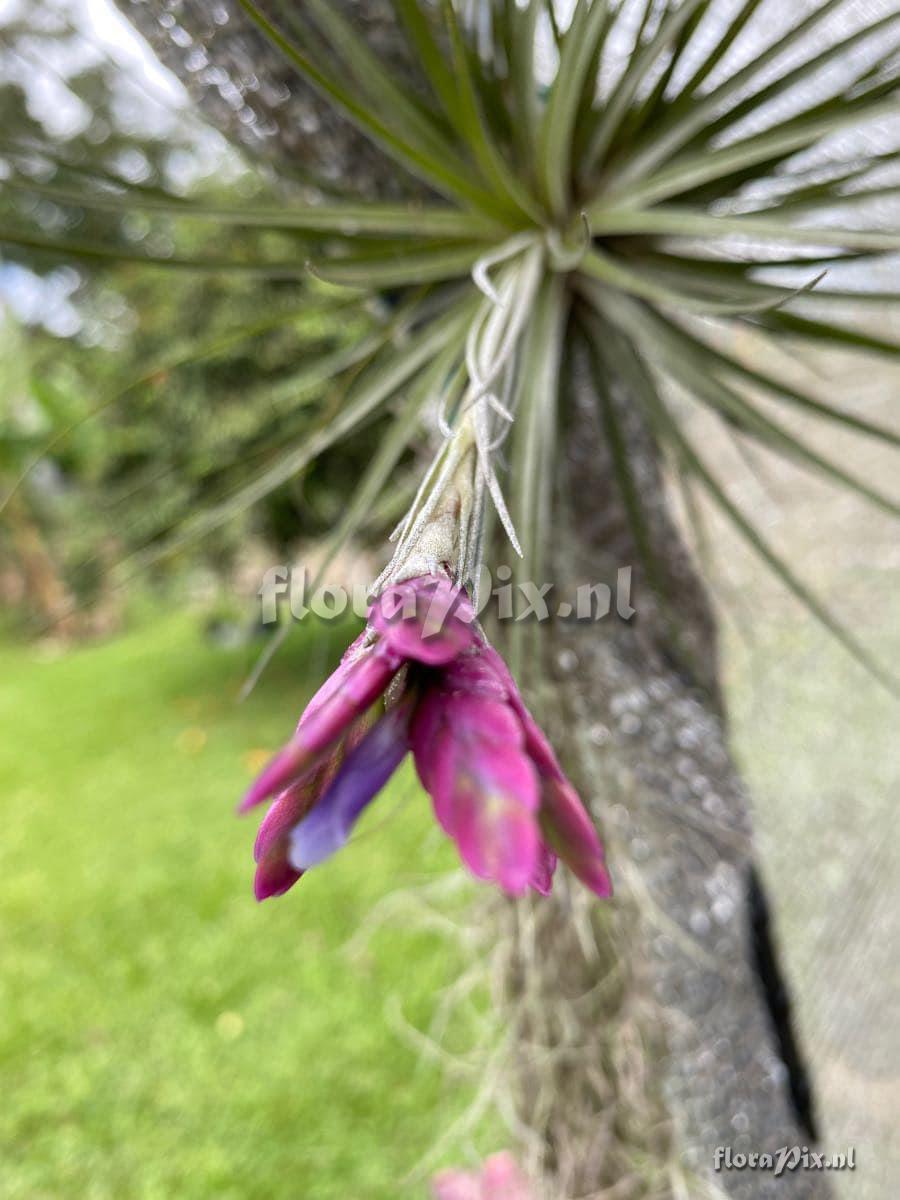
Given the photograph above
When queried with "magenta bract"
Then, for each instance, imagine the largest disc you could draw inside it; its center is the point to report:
(494, 780)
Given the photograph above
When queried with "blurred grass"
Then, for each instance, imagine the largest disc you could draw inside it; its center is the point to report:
(162, 1034)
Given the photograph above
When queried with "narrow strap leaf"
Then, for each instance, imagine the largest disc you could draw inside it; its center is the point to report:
(430, 55)
(365, 399)
(534, 449)
(399, 270)
(697, 169)
(731, 280)
(101, 252)
(555, 143)
(516, 200)
(720, 46)
(783, 391)
(624, 92)
(684, 221)
(654, 404)
(627, 484)
(687, 363)
(522, 21)
(395, 220)
(615, 274)
(388, 452)
(425, 165)
(605, 355)
(693, 114)
(654, 108)
(793, 325)
(418, 127)
(841, 51)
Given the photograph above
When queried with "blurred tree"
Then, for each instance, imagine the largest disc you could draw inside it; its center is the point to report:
(36, 577)
(187, 383)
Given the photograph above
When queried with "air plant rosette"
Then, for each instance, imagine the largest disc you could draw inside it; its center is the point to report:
(541, 248)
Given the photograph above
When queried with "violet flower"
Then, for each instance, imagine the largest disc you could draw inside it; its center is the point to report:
(495, 782)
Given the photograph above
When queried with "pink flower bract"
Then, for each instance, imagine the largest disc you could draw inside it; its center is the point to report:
(496, 785)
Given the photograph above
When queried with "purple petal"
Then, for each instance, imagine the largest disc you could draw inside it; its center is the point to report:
(359, 684)
(496, 833)
(428, 619)
(567, 826)
(274, 876)
(474, 673)
(363, 774)
(447, 729)
(536, 743)
(274, 873)
(427, 727)
(485, 791)
(542, 878)
(336, 679)
(569, 831)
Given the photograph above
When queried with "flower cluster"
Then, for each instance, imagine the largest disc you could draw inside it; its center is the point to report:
(496, 785)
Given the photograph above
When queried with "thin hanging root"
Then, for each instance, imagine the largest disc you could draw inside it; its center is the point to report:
(404, 524)
(482, 441)
(509, 249)
(498, 407)
(466, 516)
(494, 335)
(472, 568)
(489, 359)
(450, 395)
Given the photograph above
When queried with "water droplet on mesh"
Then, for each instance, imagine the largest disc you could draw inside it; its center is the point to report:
(630, 724)
(699, 922)
(740, 1122)
(640, 850)
(567, 660)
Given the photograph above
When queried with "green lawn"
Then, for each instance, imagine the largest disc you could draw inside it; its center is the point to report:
(161, 1034)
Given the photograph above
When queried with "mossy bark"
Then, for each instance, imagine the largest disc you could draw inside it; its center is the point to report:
(670, 1002)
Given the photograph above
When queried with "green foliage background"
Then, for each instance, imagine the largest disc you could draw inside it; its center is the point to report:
(162, 1034)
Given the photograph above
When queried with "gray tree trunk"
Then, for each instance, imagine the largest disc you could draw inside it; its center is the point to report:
(644, 1030)
(669, 1046)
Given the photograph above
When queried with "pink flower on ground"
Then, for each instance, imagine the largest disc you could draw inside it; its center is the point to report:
(495, 782)
(498, 1179)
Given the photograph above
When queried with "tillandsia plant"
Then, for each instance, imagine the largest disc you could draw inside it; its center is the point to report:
(668, 195)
